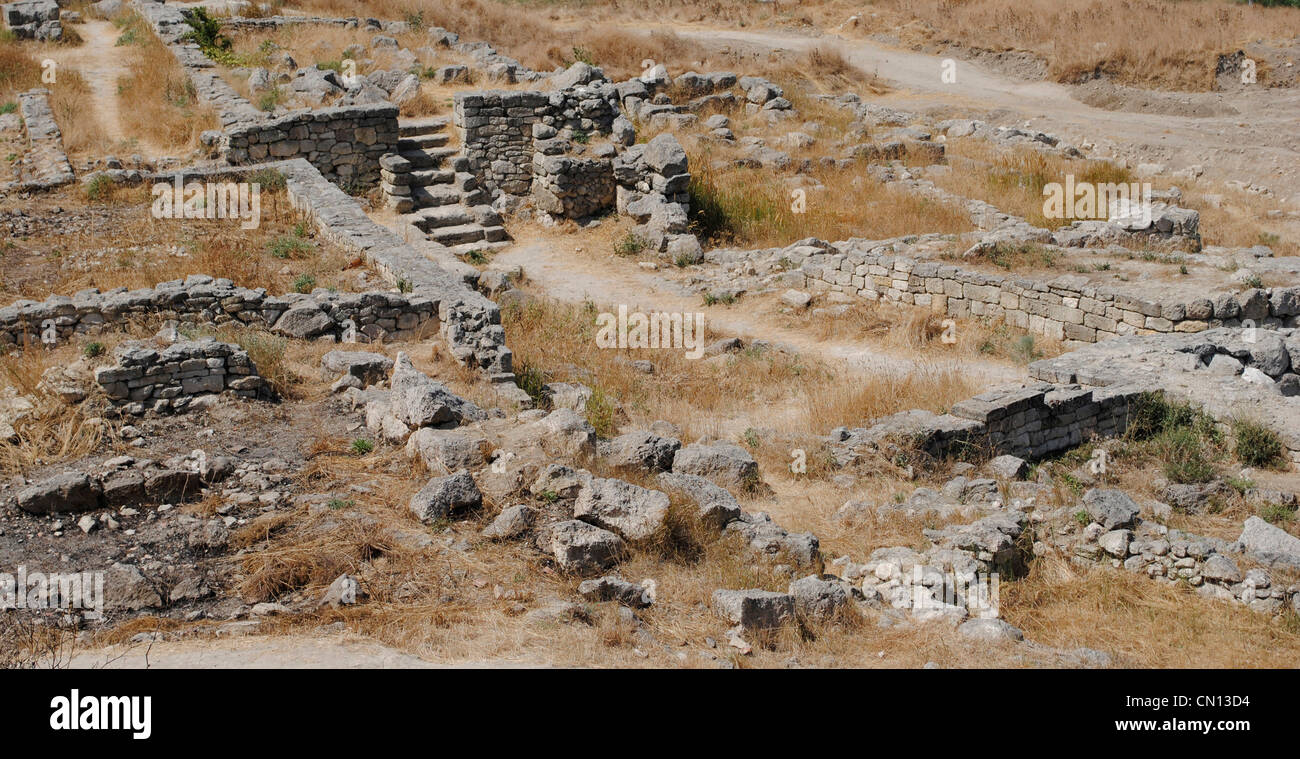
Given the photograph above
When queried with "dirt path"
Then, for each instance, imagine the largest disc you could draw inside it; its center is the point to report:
(286, 652)
(567, 276)
(1255, 141)
(100, 65)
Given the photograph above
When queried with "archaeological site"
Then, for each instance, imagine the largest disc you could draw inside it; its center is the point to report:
(576, 334)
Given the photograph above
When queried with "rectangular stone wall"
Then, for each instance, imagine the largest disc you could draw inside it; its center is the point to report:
(496, 130)
(343, 143)
(1065, 308)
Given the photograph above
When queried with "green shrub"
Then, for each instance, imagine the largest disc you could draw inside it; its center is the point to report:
(1184, 456)
(361, 446)
(9, 107)
(285, 246)
(304, 283)
(269, 100)
(205, 31)
(100, 187)
(532, 380)
(91, 350)
(268, 179)
(629, 244)
(1257, 445)
(600, 413)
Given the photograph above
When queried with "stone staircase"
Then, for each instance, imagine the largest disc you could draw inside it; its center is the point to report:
(431, 186)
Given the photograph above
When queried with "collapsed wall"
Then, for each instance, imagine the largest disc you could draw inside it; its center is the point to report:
(1028, 421)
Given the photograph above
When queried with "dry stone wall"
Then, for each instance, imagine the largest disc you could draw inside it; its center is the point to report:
(1068, 307)
(345, 143)
(1028, 421)
(147, 378)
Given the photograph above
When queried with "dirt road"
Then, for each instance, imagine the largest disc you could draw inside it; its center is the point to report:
(1254, 138)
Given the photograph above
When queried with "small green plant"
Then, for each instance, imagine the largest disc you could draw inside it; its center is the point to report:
(99, 187)
(1082, 518)
(336, 66)
(581, 137)
(403, 285)
(304, 283)
(269, 100)
(549, 496)
(1253, 281)
(1257, 445)
(629, 244)
(476, 256)
(8, 107)
(301, 229)
(127, 37)
(1182, 269)
(205, 31)
(533, 381)
(601, 413)
(713, 299)
(289, 247)
(1276, 513)
(1270, 239)
(91, 350)
(751, 438)
(336, 504)
(1240, 484)
(268, 179)
(361, 446)
(583, 55)
(1185, 457)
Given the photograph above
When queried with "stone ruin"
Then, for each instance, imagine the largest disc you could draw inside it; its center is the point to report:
(148, 378)
(33, 19)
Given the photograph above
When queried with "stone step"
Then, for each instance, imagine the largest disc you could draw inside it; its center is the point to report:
(432, 158)
(419, 142)
(481, 245)
(434, 195)
(430, 219)
(421, 125)
(461, 233)
(426, 177)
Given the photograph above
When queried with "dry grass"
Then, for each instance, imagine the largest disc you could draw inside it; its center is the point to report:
(733, 205)
(1143, 623)
(158, 102)
(1145, 43)
(69, 96)
(114, 241)
(52, 430)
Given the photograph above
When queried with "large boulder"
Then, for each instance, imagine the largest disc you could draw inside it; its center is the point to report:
(724, 464)
(754, 610)
(612, 588)
(69, 491)
(1270, 544)
(441, 497)
(584, 548)
(447, 450)
(629, 510)
(713, 505)
(511, 523)
(303, 321)
(1112, 509)
(643, 450)
(419, 401)
(818, 599)
(367, 367)
(665, 156)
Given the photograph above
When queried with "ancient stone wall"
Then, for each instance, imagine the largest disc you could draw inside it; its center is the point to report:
(45, 165)
(148, 378)
(345, 143)
(1027, 421)
(1065, 308)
